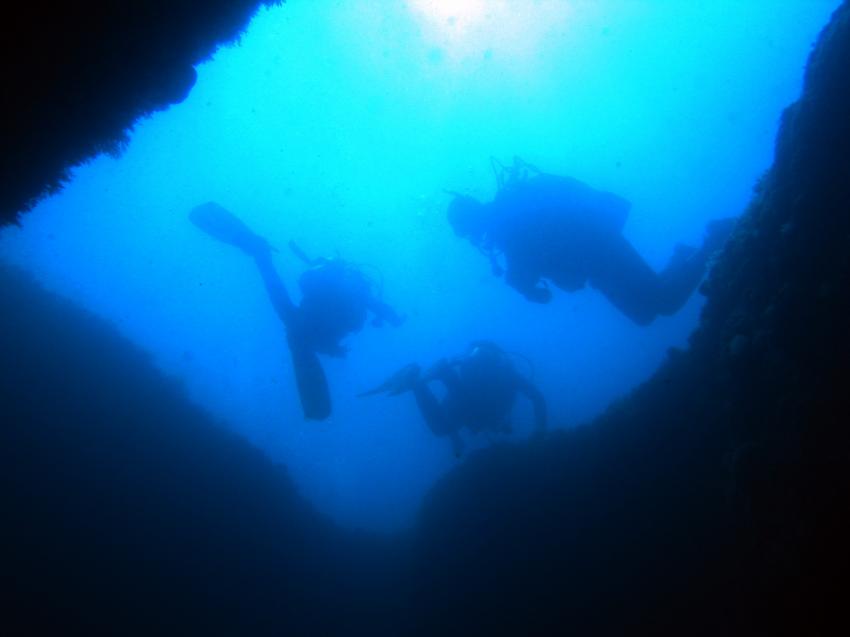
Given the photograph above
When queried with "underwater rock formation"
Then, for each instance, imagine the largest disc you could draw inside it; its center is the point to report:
(77, 76)
(713, 500)
(128, 509)
(716, 498)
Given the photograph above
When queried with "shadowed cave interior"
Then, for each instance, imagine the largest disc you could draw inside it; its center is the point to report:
(713, 499)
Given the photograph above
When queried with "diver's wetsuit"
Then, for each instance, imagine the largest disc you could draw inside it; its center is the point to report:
(481, 388)
(336, 300)
(558, 228)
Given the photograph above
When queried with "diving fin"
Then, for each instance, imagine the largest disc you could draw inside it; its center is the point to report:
(223, 225)
(401, 381)
(298, 252)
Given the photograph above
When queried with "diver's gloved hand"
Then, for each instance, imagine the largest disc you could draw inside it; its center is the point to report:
(539, 294)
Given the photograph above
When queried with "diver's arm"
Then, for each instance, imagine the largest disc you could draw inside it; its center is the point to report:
(527, 284)
(274, 287)
(384, 312)
(537, 401)
(444, 371)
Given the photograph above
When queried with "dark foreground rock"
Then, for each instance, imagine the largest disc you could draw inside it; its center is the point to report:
(76, 75)
(714, 500)
(126, 508)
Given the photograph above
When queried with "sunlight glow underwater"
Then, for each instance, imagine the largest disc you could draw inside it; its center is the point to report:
(467, 28)
(341, 125)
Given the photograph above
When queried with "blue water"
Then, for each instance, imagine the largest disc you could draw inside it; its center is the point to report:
(340, 125)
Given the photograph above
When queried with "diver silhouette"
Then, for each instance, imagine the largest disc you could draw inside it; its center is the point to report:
(336, 299)
(481, 387)
(553, 228)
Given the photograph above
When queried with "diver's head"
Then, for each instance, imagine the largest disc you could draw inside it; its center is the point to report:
(485, 352)
(483, 345)
(485, 365)
(469, 218)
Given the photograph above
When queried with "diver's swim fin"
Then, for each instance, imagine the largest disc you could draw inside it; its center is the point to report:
(403, 380)
(311, 382)
(223, 225)
(298, 252)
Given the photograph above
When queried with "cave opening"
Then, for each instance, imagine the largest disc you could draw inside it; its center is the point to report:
(341, 127)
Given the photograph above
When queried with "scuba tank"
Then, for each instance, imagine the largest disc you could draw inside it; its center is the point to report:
(487, 362)
(517, 172)
(507, 176)
(336, 274)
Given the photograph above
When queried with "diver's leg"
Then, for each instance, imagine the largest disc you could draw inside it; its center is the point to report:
(679, 280)
(622, 275)
(626, 280)
(683, 274)
(687, 267)
(310, 379)
(278, 295)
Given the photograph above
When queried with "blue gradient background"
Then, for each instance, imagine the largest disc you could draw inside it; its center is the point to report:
(339, 125)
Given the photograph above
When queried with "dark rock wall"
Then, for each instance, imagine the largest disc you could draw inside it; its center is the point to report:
(127, 508)
(714, 500)
(77, 75)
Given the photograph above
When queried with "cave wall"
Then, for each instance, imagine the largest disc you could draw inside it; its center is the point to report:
(77, 75)
(128, 509)
(712, 501)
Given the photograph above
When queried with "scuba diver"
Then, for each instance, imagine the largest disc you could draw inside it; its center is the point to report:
(480, 390)
(558, 229)
(336, 299)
